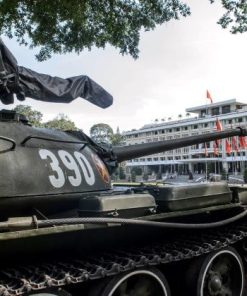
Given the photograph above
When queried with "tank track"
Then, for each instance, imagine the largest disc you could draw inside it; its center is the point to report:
(24, 279)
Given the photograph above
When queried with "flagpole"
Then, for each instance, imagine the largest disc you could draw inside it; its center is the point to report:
(219, 158)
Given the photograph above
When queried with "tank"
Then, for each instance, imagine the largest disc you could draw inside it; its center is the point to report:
(65, 231)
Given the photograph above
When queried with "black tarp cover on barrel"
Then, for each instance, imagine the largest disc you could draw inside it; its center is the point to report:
(24, 82)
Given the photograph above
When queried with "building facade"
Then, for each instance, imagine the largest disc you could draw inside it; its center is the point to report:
(196, 158)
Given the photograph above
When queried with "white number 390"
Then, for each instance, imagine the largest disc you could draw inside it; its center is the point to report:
(58, 178)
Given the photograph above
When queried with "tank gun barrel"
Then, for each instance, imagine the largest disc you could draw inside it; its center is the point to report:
(25, 82)
(139, 150)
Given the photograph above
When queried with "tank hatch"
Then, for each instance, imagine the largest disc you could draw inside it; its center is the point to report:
(11, 115)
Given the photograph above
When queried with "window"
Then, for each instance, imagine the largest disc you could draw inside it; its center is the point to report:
(226, 109)
(215, 111)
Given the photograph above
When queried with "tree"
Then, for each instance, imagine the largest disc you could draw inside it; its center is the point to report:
(133, 176)
(145, 176)
(121, 175)
(101, 133)
(223, 174)
(61, 122)
(210, 169)
(137, 170)
(34, 117)
(245, 176)
(117, 138)
(235, 16)
(62, 26)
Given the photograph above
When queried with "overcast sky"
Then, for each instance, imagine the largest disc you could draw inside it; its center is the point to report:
(178, 61)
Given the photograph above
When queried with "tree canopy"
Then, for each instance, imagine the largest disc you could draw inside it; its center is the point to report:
(235, 16)
(62, 26)
(61, 122)
(33, 116)
(117, 138)
(103, 133)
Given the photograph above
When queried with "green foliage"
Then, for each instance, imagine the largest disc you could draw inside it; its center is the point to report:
(61, 122)
(137, 170)
(117, 138)
(245, 175)
(158, 176)
(101, 133)
(235, 16)
(121, 174)
(211, 167)
(223, 174)
(34, 117)
(145, 177)
(133, 176)
(62, 26)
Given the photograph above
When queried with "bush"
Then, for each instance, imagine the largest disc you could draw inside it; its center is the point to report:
(122, 175)
(145, 177)
(158, 176)
(137, 170)
(224, 174)
(245, 175)
(133, 176)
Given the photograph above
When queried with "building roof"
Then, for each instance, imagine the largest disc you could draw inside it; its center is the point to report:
(217, 104)
(193, 119)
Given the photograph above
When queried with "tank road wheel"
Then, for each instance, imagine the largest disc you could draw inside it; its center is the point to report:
(221, 274)
(141, 282)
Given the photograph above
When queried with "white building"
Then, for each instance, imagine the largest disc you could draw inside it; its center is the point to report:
(195, 158)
